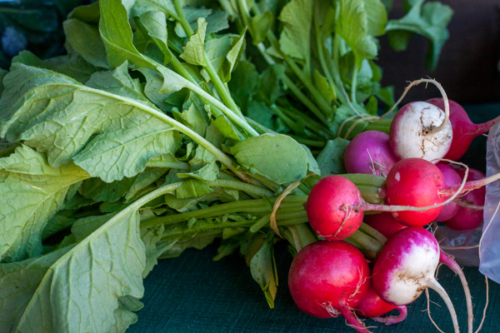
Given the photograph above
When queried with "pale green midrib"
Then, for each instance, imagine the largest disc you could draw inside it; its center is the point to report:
(134, 206)
(224, 159)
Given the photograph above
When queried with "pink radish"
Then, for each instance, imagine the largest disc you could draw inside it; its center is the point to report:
(464, 130)
(420, 130)
(470, 214)
(372, 306)
(369, 153)
(327, 279)
(332, 208)
(415, 182)
(384, 223)
(405, 268)
(451, 177)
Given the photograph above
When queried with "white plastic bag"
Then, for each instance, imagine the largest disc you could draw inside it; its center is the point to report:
(490, 248)
(461, 244)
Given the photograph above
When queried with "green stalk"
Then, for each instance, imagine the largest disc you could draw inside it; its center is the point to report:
(321, 54)
(373, 232)
(219, 85)
(354, 82)
(367, 242)
(245, 14)
(248, 206)
(241, 186)
(308, 142)
(182, 18)
(365, 179)
(261, 223)
(322, 103)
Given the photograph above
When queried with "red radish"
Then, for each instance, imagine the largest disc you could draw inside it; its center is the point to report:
(384, 223)
(332, 208)
(405, 268)
(420, 130)
(372, 306)
(464, 130)
(451, 177)
(370, 153)
(468, 216)
(327, 279)
(415, 182)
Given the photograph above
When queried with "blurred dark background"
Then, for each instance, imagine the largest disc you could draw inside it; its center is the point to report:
(468, 65)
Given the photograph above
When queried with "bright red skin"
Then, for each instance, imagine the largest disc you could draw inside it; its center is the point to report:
(451, 177)
(384, 223)
(326, 272)
(464, 130)
(467, 218)
(418, 186)
(367, 147)
(389, 259)
(372, 305)
(332, 208)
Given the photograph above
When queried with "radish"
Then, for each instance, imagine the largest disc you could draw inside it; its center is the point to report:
(384, 223)
(451, 177)
(405, 268)
(420, 130)
(370, 153)
(464, 130)
(372, 306)
(332, 208)
(415, 182)
(327, 279)
(470, 212)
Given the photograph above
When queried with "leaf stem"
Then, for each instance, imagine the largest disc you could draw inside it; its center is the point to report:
(241, 186)
(219, 85)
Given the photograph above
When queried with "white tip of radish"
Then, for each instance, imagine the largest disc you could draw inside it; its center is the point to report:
(412, 136)
(415, 270)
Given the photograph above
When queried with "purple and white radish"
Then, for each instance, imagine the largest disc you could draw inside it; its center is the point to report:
(405, 268)
(451, 177)
(328, 279)
(369, 153)
(464, 130)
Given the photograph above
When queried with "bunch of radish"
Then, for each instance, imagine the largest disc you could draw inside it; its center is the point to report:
(331, 277)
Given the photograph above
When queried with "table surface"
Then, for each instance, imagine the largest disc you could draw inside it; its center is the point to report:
(192, 293)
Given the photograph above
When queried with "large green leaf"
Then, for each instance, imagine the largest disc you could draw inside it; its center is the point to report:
(278, 157)
(59, 116)
(358, 21)
(83, 291)
(116, 34)
(32, 192)
(331, 158)
(295, 38)
(85, 39)
(18, 283)
(430, 20)
(194, 51)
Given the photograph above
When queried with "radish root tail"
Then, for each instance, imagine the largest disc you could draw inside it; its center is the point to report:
(452, 264)
(391, 320)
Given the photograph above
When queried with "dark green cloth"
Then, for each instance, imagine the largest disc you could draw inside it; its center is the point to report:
(194, 294)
